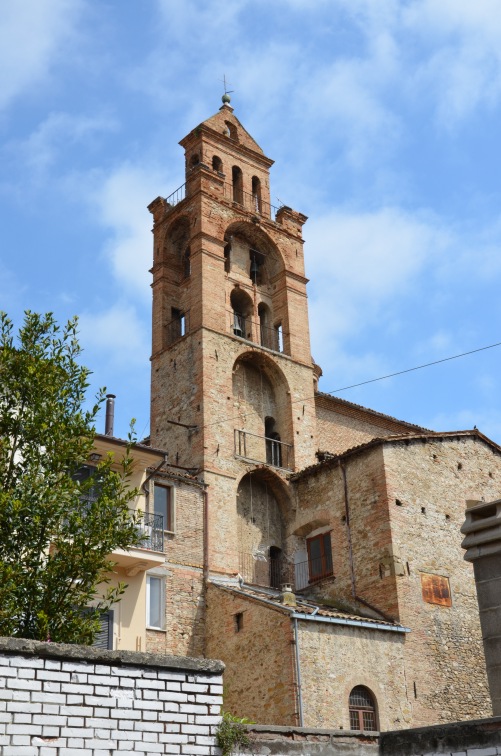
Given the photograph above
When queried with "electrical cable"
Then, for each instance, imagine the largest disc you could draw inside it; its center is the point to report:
(371, 380)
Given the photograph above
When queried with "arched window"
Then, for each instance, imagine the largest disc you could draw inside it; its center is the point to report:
(275, 562)
(231, 130)
(241, 305)
(256, 194)
(227, 258)
(217, 164)
(362, 710)
(238, 184)
(273, 445)
(266, 333)
(194, 160)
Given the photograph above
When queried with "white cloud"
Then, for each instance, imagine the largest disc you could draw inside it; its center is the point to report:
(60, 130)
(117, 336)
(121, 202)
(463, 65)
(33, 36)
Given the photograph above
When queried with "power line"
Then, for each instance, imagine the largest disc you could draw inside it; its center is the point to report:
(410, 370)
(371, 380)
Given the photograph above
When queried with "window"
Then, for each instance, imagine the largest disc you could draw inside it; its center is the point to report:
(238, 186)
(178, 325)
(319, 556)
(256, 194)
(239, 621)
(104, 636)
(436, 590)
(362, 710)
(155, 602)
(89, 479)
(162, 504)
(217, 164)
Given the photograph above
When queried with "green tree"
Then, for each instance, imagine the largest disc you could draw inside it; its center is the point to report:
(56, 528)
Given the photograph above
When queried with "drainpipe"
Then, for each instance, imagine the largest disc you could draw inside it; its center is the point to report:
(205, 494)
(206, 534)
(298, 676)
(350, 552)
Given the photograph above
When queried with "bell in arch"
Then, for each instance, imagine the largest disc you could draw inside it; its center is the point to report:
(254, 270)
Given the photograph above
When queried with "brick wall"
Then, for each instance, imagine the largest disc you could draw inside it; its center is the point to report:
(60, 700)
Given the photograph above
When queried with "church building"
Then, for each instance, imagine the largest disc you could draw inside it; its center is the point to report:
(322, 562)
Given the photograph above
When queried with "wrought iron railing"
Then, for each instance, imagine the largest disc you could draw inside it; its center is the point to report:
(260, 569)
(244, 327)
(151, 531)
(251, 202)
(262, 449)
(247, 200)
(177, 196)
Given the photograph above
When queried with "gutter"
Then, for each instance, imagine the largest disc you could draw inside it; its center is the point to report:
(353, 623)
(298, 674)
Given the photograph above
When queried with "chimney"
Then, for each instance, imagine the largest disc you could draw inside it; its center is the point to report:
(288, 598)
(110, 414)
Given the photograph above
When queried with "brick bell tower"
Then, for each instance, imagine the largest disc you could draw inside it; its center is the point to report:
(232, 374)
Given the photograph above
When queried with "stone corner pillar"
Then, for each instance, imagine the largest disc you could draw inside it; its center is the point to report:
(482, 543)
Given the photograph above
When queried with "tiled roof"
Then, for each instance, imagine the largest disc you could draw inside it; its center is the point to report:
(310, 609)
(344, 404)
(396, 438)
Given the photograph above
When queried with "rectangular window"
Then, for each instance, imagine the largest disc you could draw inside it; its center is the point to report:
(162, 503)
(436, 589)
(155, 602)
(319, 556)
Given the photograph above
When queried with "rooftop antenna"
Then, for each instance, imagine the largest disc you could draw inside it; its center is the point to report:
(226, 97)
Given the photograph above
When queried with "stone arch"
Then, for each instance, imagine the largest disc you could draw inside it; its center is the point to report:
(262, 503)
(242, 307)
(261, 394)
(245, 238)
(176, 243)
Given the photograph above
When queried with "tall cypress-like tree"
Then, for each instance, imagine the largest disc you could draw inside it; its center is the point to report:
(57, 528)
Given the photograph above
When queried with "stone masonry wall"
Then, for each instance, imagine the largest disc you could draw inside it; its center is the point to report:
(336, 658)
(428, 484)
(60, 700)
(259, 676)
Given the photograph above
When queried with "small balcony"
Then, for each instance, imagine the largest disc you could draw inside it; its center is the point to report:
(258, 569)
(263, 450)
(245, 328)
(149, 553)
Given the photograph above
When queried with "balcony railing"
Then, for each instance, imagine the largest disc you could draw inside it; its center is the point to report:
(248, 201)
(177, 196)
(251, 202)
(151, 531)
(259, 569)
(262, 449)
(244, 327)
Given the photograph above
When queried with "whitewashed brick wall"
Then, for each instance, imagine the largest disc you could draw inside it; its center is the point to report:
(60, 700)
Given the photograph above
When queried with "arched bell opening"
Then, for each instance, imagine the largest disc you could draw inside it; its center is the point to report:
(261, 531)
(242, 308)
(257, 203)
(237, 184)
(261, 394)
(217, 164)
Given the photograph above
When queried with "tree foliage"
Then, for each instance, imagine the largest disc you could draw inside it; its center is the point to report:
(56, 528)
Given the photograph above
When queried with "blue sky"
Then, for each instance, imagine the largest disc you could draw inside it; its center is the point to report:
(382, 117)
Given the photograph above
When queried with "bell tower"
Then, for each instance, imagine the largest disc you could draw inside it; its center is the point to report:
(232, 374)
